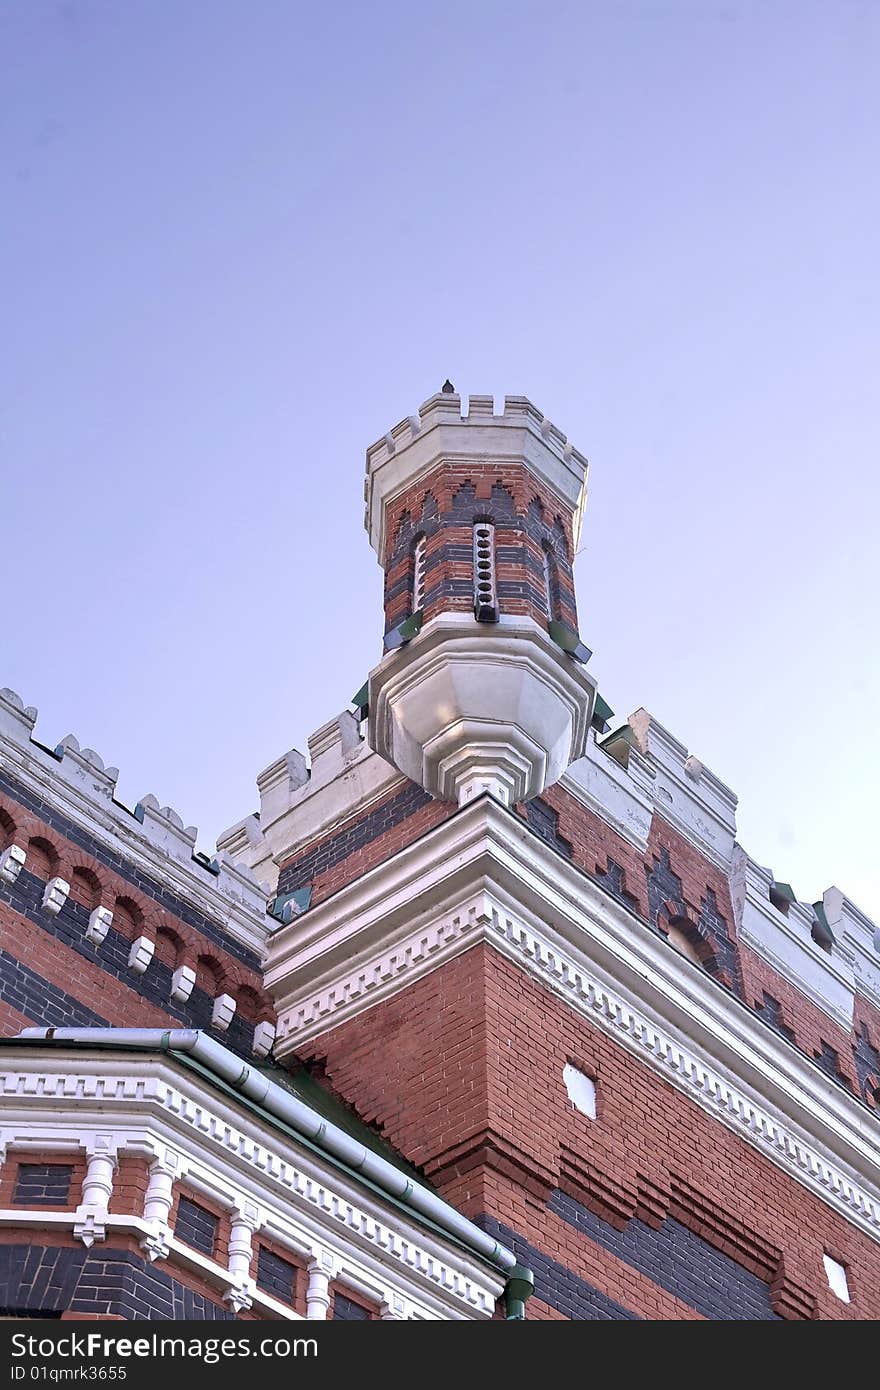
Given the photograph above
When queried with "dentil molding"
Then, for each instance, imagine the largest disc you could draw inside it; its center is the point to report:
(482, 877)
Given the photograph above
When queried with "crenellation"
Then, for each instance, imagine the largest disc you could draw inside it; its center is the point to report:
(462, 876)
(90, 763)
(165, 827)
(17, 720)
(279, 783)
(857, 939)
(520, 432)
(685, 792)
(622, 797)
(83, 786)
(786, 941)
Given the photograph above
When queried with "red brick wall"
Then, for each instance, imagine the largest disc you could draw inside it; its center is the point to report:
(120, 1001)
(9, 1174)
(463, 1073)
(441, 487)
(388, 825)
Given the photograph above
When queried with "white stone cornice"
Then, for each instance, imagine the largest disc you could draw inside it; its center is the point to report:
(482, 876)
(56, 1100)
(520, 435)
(464, 700)
(616, 795)
(784, 940)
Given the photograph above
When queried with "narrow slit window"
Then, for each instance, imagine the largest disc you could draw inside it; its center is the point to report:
(485, 596)
(549, 583)
(418, 583)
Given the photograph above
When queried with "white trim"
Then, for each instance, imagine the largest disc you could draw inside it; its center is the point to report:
(77, 785)
(482, 877)
(521, 436)
(58, 1100)
(685, 793)
(826, 978)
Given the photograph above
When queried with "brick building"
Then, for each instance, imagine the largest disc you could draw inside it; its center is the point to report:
(485, 994)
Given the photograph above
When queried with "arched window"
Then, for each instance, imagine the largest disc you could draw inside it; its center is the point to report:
(485, 596)
(682, 942)
(418, 575)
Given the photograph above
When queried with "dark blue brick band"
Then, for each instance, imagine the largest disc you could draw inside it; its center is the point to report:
(126, 870)
(69, 926)
(195, 1226)
(38, 1281)
(682, 1263)
(42, 1184)
(557, 1286)
(360, 833)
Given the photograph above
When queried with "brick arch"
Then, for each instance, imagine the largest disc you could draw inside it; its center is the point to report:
(503, 499)
(170, 946)
(689, 938)
(550, 561)
(248, 1003)
(85, 887)
(465, 496)
(212, 974)
(43, 858)
(559, 538)
(128, 916)
(7, 829)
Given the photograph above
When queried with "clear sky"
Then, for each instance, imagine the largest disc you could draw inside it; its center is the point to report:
(242, 238)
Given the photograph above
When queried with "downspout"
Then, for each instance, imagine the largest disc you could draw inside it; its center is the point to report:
(520, 1286)
(280, 1103)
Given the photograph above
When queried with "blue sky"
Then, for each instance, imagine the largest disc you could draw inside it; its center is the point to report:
(241, 238)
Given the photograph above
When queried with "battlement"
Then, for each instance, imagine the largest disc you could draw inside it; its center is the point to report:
(301, 801)
(685, 792)
(521, 433)
(827, 949)
(79, 784)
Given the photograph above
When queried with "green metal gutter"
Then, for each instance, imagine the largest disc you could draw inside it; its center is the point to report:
(248, 1086)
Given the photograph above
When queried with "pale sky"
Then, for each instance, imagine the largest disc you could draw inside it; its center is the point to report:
(242, 238)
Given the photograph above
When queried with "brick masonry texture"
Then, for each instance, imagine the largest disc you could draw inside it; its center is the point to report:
(143, 999)
(122, 868)
(363, 842)
(679, 1261)
(444, 506)
(195, 1226)
(675, 880)
(43, 1184)
(462, 1072)
(867, 1060)
(556, 1286)
(42, 1003)
(346, 1310)
(48, 1280)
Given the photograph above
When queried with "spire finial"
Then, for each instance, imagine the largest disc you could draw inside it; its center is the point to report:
(447, 388)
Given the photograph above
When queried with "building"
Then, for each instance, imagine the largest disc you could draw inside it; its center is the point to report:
(485, 995)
